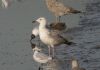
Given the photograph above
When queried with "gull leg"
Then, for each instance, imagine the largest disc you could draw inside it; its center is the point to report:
(49, 50)
(39, 42)
(53, 51)
(57, 19)
(39, 68)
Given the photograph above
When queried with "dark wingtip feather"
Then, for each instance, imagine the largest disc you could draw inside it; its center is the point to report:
(76, 11)
(70, 43)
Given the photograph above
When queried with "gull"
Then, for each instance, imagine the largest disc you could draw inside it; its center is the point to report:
(49, 37)
(75, 65)
(38, 56)
(59, 9)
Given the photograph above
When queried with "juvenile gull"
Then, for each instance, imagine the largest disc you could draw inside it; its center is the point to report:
(50, 37)
(38, 56)
(75, 65)
(59, 9)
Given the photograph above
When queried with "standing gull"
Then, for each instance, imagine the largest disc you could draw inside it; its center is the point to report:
(49, 37)
(59, 9)
(38, 56)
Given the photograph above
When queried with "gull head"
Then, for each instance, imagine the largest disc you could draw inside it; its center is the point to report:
(40, 20)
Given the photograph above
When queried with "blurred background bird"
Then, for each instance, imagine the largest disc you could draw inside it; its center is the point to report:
(59, 9)
(7, 3)
(38, 56)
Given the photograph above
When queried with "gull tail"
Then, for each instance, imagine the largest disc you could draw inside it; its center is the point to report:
(74, 11)
(69, 43)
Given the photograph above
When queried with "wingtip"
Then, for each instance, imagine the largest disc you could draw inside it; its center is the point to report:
(71, 43)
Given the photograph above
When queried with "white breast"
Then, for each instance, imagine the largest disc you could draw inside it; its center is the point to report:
(44, 36)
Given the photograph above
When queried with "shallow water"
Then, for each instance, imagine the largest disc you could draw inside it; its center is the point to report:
(16, 26)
